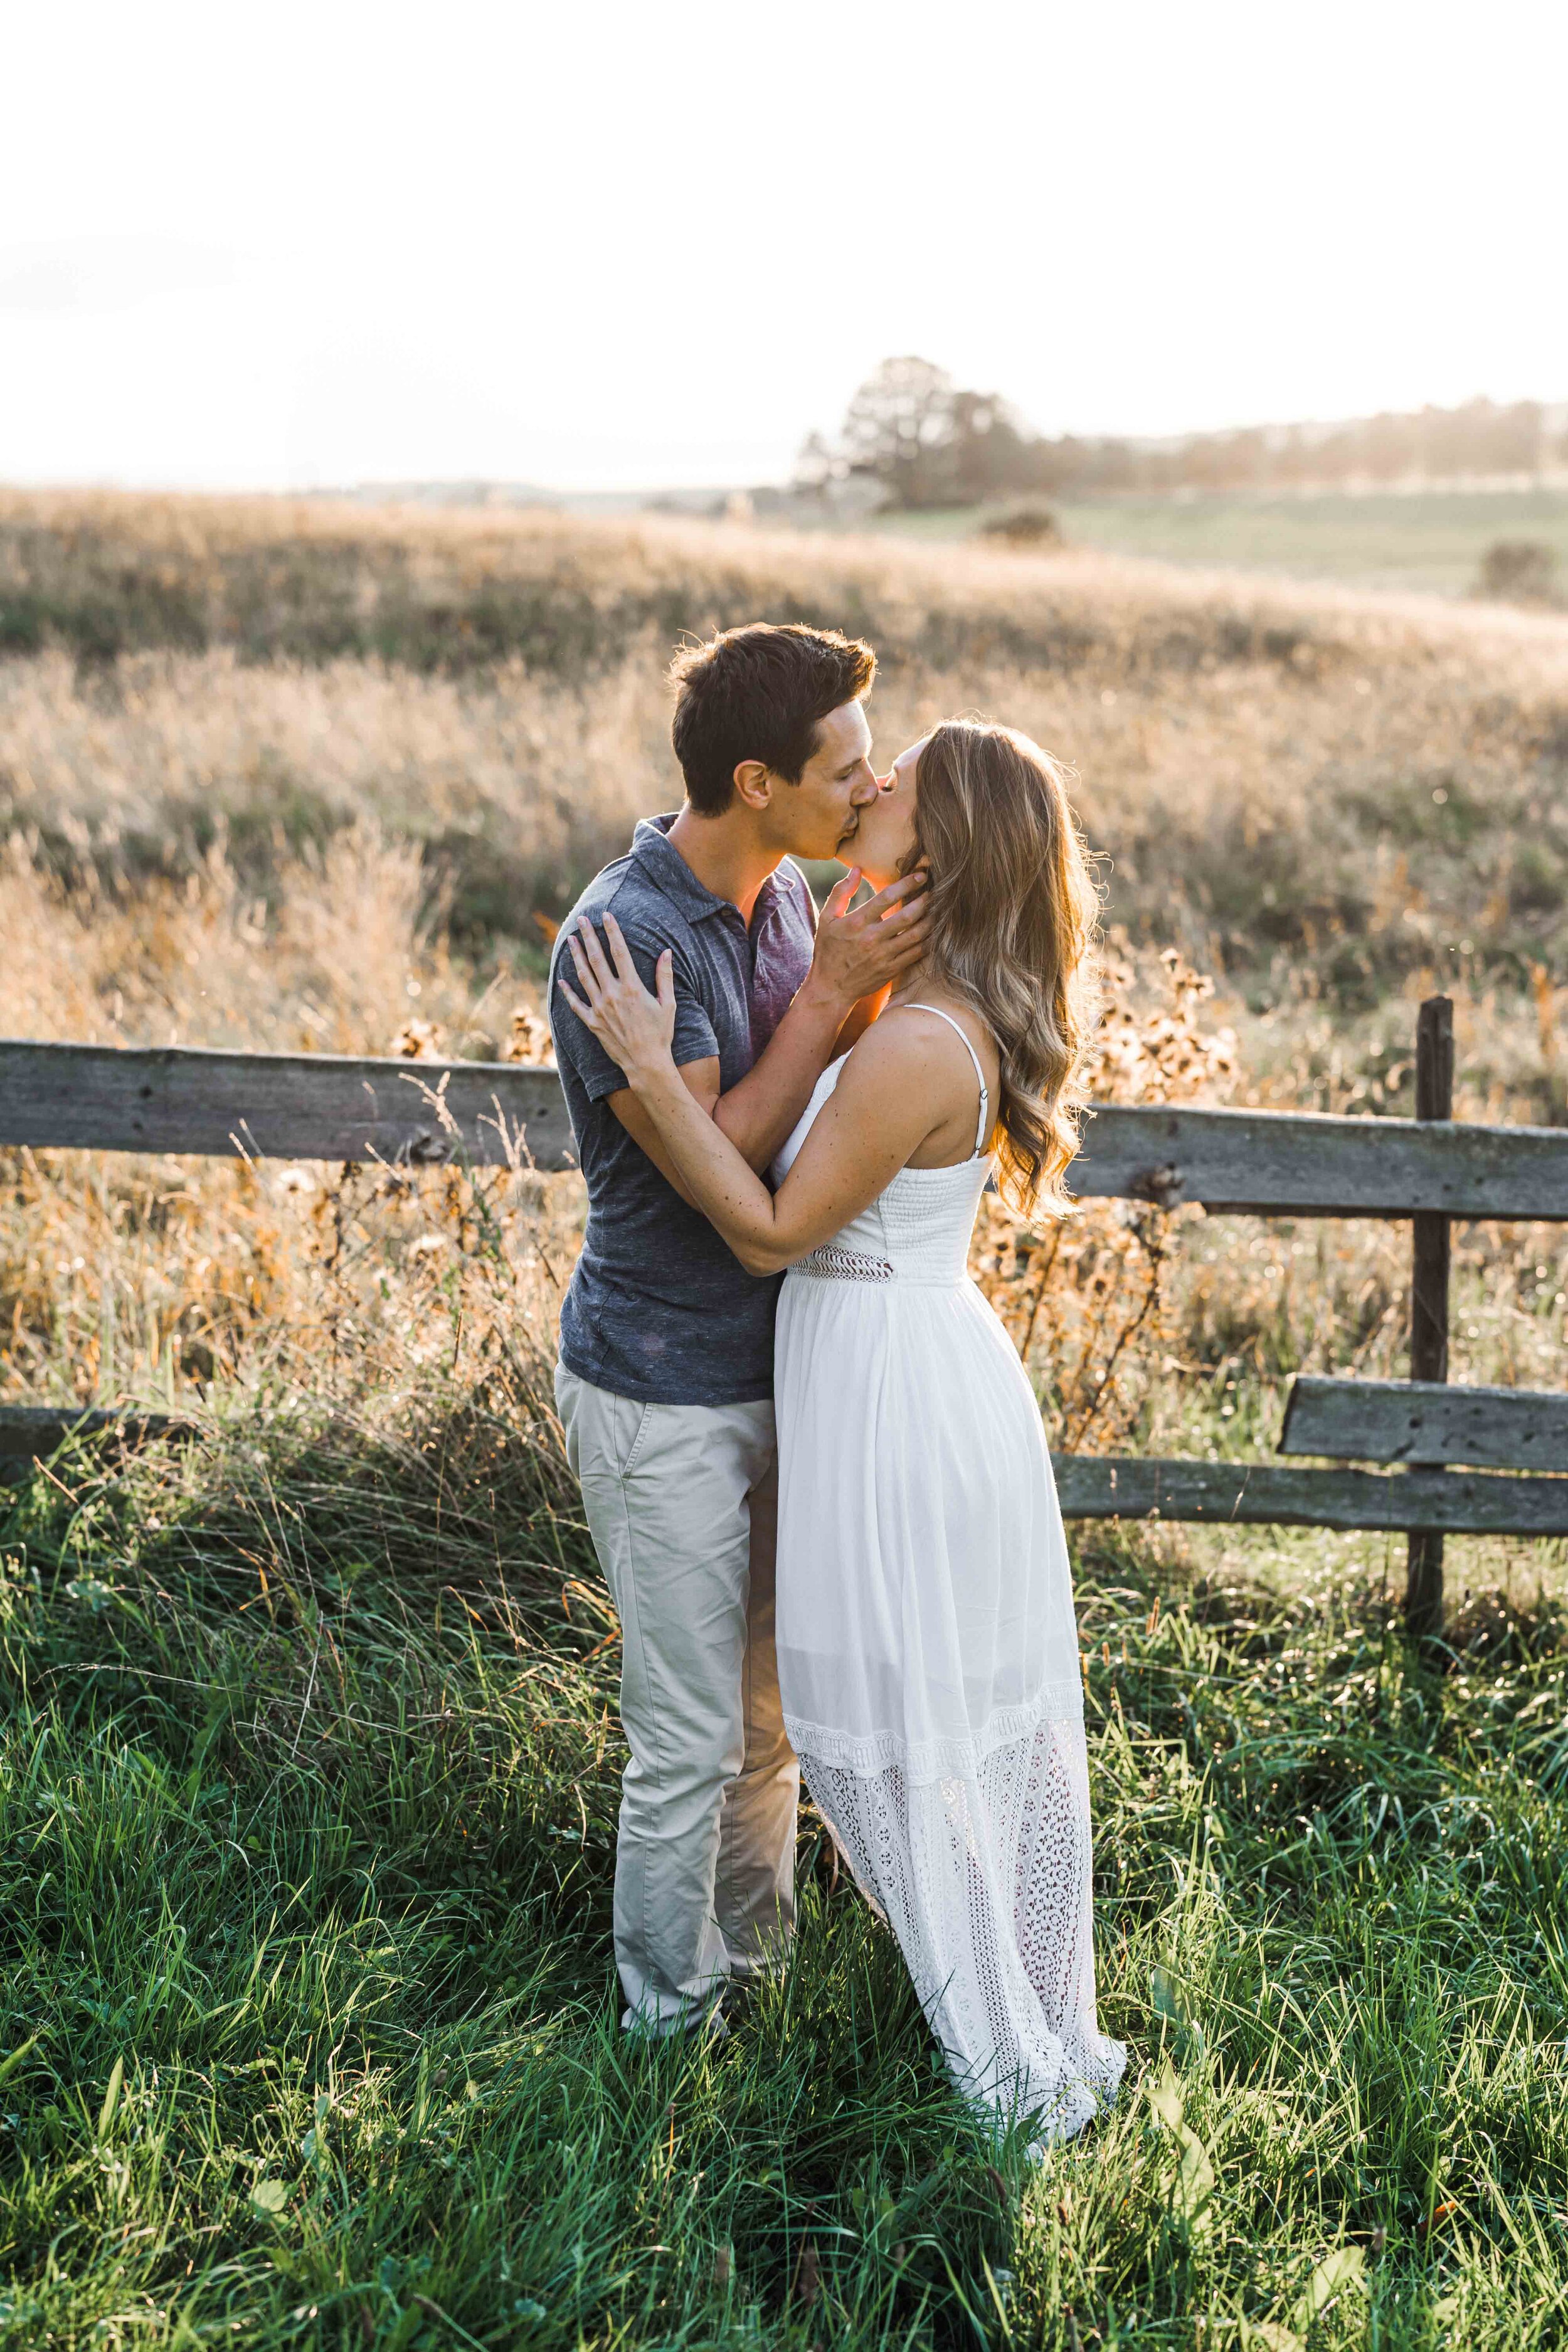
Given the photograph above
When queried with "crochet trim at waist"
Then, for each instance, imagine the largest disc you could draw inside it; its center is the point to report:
(833, 1265)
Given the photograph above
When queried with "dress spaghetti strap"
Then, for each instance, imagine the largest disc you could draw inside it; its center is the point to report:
(984, 1129)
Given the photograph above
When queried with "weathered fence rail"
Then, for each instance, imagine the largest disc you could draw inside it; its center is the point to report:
(1430, 1169)
(333, 1107)
(1261, 1493)
(27, 1431)
(278, 1106)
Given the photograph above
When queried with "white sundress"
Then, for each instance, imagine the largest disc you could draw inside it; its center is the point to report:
(927, 1647)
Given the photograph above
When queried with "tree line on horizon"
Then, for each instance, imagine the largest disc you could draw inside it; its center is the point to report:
(922, 440)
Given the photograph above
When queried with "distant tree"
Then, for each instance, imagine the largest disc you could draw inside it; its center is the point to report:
(929, 443)
(991, 453)
(897, 428)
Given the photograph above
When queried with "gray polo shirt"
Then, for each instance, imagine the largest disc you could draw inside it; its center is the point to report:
(660, 1308)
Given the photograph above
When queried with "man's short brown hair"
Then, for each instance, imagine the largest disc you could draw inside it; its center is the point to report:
(759, 693)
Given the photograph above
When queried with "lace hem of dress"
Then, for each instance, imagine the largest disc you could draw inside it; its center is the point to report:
(936, 1760)
(985, 1878)
(843, 1265)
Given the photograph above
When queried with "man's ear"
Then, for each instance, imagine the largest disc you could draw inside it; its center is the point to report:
(754, 782)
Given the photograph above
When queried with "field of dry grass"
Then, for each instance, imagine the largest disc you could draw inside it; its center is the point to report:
(243, 827)
(300, 777)
(307, 1758)
(1301, 788)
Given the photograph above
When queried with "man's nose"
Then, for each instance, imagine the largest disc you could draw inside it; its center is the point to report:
(865, 787)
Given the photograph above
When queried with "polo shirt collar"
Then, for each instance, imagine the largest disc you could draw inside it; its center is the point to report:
(664, 865)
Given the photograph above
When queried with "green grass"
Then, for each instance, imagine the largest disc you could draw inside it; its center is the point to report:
(1432, 541)
(308, 1776)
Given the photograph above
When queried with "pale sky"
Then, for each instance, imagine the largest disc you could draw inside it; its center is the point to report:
(596, 244)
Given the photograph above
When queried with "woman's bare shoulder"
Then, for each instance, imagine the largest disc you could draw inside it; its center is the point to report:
(907, 1044)
(914, 1032)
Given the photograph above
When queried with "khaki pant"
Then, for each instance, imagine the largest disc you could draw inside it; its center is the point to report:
(682, 1503)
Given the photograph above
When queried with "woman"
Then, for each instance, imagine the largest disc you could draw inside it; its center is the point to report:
(927, 1649)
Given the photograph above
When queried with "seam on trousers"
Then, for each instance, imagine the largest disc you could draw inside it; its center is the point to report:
(642, 1656)
(727, 1816)
(724, 1887)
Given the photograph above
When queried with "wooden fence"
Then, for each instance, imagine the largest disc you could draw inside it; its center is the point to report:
(1431, 1170)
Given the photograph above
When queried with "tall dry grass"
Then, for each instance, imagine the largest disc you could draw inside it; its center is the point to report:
(194, 1282)
(1298, 786)
(231, 819)
(122, 1276)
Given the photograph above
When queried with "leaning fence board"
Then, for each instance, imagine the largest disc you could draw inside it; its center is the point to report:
(1304, 1163)
(279, 1106)
(330, 1107)
(1427, 1422)
(29, 1431)
(1252, 1494)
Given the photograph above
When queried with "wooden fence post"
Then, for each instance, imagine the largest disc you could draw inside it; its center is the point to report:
(1429, 1299)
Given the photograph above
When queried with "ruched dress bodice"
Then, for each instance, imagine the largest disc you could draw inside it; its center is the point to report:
(918, 1230)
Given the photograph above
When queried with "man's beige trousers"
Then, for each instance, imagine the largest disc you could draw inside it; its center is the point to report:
(682, 1503)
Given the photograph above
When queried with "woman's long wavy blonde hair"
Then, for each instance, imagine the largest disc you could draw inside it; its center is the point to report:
(1013, 908)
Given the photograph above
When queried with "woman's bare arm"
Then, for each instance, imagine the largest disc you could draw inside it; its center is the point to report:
(890, 1098)
(860, 951)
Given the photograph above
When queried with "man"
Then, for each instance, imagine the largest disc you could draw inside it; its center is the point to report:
(665, 1382)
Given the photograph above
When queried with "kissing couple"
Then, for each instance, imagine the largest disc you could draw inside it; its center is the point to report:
(812, 1464)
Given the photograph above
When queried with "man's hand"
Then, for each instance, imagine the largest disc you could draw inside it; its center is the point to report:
(859, 953)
